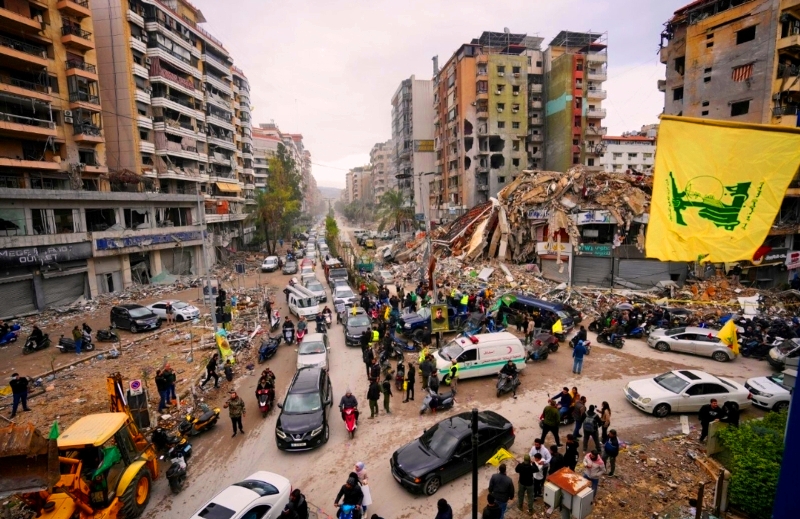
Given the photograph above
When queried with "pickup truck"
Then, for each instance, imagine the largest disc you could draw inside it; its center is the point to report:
(412, 323)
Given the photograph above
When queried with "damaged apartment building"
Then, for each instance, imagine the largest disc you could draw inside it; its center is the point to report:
(739, 60)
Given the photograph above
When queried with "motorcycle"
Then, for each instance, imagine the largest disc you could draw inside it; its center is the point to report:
(68, 345)
(322, 327)
(107, 335)
(268, 349)
(346, 511)
(350, 421)
(436, 402)
(400, 376)
(10, 336)
(264, 401)
(586, 344)
(635, 333)
(274, 321)
(288, 335)
(31, 345)
(164, 441)
(507, 384)
(546, 339)
(759, 350)
(300, 335)
(605, 338)
(192, 424)
(176, 473)
(328, 320)
(536, 352)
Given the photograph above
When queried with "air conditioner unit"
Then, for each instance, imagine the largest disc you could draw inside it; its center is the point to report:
(474, 103)
(516, 74)
(67, 113)
(498, 92)
(148, 61)
(499, 109)
(67, 119)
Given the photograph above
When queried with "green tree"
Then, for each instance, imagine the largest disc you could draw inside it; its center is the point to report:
(332, 233)
(278, 206)
(393, 210)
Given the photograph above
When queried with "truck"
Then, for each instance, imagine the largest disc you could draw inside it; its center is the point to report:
(100, 467)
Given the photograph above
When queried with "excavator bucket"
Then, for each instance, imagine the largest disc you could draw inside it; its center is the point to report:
(28, 461)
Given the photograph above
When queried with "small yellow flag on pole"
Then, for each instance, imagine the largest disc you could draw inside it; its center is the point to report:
(728, 336)
(558, 327)
(501, 455)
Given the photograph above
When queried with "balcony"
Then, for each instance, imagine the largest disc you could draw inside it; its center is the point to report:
(596, 93)
(175, 82)
(76, 67)
(535, 88)
(176, 128)
(177, 104)
(8, 162)
(218, 84)
(142, 96)
(84, 100)
(77, 8)
(73, 37)
(138, 44)
(22, 126)
(596, 130)
(596, 113)
(86, 132)
(661, 84)
(535, 137)
(597, 57)
(219, 101)
(147, 147)
(789, 43)
(536, 105)
(599, 75)
(22, 53)
(482, 58)
(663, 55)
(17, 22)
(217, 64)
(223, 143)
(176, 60)
(482, 94)
(143, 121)
(135, 18)
(23, 88)
(177, 149)
(220, 121)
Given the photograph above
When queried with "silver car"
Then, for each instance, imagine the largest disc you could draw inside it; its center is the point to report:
(384, 277)
(313, 351)
(693, 340)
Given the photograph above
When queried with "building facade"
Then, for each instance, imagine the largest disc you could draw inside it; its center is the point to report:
(575, 70)
(380, 160)
(359, 185)
(628, 153)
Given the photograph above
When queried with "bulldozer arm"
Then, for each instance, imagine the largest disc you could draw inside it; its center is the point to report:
(28, 461)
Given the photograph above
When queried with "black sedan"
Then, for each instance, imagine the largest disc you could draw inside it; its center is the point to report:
(303, 422)
(444, 452)
(354, 326)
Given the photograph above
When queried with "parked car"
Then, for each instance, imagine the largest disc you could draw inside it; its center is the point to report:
(262, 495)
(786, 350)
(444, 451)
(335, 273)
(769, 392)
(303, 422)
(290, 267)
(133, 317)
(354, 326)
(316, 287)
(693, 340)
(369, 243)
(345, 293)
(683, 391)
(384, 277)
(311, 255)
(412, 323)
(270, 264)
(313, 351)
(180, 310)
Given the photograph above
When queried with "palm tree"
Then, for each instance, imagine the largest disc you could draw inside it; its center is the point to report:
(393, 209)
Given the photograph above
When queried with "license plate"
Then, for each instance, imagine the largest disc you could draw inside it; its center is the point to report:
(629, 397)
(301, 444)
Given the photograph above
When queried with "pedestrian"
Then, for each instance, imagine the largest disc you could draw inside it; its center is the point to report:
(386, 389)
(169, 311)
(491, 510)
(211, 370)
(299, 502)
(433, 382)
(539, 475)
(709, 413)
(454, 367)
(373, 394)
(236, 411)
(593, 468)
(169, 375)
(19, 393)
(425, 368)
(360, 470)
(557, 461)
(579, 414)
(550, 422)
(163, 390)
(530, 330)
(577, 357)
(610, 451)
(443, 510)
(571, 452)
(228, 370)
(502, 488)
(545, 455)
(410, 380)
(605, 420)
(590, 429)
(375, 369)
(367, 355)
(77, 337)
(526, 471)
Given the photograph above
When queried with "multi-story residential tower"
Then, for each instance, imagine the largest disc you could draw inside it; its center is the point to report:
(575, 69)
(412, 135)
(380, 159)
(629, 153)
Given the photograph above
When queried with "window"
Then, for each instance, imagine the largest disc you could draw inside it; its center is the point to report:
(515, 125)
(680, 65)
(468, 356)
(618, 155)
(500, 88)
(590, 162)
(705, 103)
(709, 45)
(501, 124)
(704, 113)
(706, 80)
(144, 135)
(515, 107)
(63, 220)
(515, 70)
(647, 155)
(501, 69)
(707, 71)
(515, 89)
(632, 155)
(740, 108)
(515, 162)
(538, 63)
(745, 35)
(677, 94)
(501, 106)
(87, 157)
(515, 145)
(501, 180)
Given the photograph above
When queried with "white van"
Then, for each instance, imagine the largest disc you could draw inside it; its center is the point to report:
(302, 301)
(486, 357)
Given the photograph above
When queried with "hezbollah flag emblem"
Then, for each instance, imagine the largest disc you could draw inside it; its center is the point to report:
(717, 188)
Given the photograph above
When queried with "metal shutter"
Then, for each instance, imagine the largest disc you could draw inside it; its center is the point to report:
(18, 298)
(645, 273)
(63, 290)
(550, 270)
(590, 270)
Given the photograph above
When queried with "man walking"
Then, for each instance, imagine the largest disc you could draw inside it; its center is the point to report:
(169, 311)
(709, 413)
(579, 414)
(163, 390)
(550, 422)
(410, 379)
(171, 378)
(577, 357)
(502, 488)
(386, 389)
(373, 394)
(77, 337)
(236, 410)
(426, 368)
(543, 461)
(526, 471)
(211, 371)
(367, 355)
(610, 451)
(19, 393)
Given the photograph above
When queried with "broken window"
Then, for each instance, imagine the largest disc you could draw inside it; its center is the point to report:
(501, 180)
(497, 161)
(100, 219)
(680, 65)
(515, 89)
(173, 217)
(63, 221)
(12, 222)
(496, 144)
(515, 145)
(501, 107)
(677, 94)
(467, 128)
(740, 108)
(468, 142)
(515, 70)
(515, 162)
(137, 219)
(41, 222)
(745, 35)
(467, 162)
(87, 156)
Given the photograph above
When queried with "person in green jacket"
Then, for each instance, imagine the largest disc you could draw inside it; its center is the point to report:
(236, 411)
(551, 420)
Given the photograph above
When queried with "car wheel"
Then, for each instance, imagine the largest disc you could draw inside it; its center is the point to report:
(326, 433)
(720, 356)
(662, 346)
(661, 410)
(180, 319)
(417, 335)
(134, 329)
(432, 485)
(780, 407)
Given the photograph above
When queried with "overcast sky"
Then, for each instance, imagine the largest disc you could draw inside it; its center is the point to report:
(328, 68)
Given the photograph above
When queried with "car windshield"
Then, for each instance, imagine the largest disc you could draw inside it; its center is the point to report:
(787, 346)
(671, 382)
(314, 286)
(563, 315)
(358, 320)
(311, 348)
(179, 305)
(439, 441)
(424, 312)
(305, 302)
(344, 293)
(299, 403)
(675, 331)
(451, 351)
(139, 312)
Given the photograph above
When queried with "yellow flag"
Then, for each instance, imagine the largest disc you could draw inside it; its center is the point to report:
(558, 327)
(728, 336)
(501, 455)
(717, 188)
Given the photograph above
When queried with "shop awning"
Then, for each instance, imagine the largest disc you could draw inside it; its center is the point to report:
(228, 187)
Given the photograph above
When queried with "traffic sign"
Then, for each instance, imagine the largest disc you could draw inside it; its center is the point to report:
(420, 217)
(136, 387)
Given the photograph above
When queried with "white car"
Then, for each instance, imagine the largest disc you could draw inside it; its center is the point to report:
(313, 351)
(769, 392)
(683, 391)
(344, 293)
(180, 310)
(262, 495)
(270, 264)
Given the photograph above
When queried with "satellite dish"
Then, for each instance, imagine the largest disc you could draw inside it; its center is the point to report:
(505, 30)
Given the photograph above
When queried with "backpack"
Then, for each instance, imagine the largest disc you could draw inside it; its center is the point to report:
(590, 426)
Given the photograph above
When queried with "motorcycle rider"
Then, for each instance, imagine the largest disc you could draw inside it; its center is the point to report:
(510, 370)
(301, 325)
(36, 335)
(264, 384)
(320, 322)
(352, 494)
(580, 336)
(349, 401)
(326, 313)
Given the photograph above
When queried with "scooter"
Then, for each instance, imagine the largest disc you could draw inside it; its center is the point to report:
(107, 335)
(328, 320)
(537, 352)
(350, 421)
(68, 345)
(322, 327)
(268, 349)
(264, 401)
(300, 335)
(346, 511)
(586, 344)
(164, 441)
(176, 473)
(436, 402)
(507, 384)
(192, 424)
(636, 333)
(400, 376)
(274, 320)
(31, 345)
(605, 338)
(288, 335)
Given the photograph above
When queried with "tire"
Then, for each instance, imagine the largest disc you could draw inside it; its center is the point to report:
(137, 495)
(134, 329)
(720, 356)
(417, 335)
(499, 393)
(432, 485)
(26, 351)
(780, 407)
(544, 355)
(637, 335)
(662, 346)
(179, 319)
(553, 347)
(89, 346)
(661, 410)
(326, 433)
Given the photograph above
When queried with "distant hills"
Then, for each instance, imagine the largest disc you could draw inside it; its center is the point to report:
(330, 192)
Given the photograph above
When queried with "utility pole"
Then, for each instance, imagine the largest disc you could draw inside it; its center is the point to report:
(206, 262)
(474, 463)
